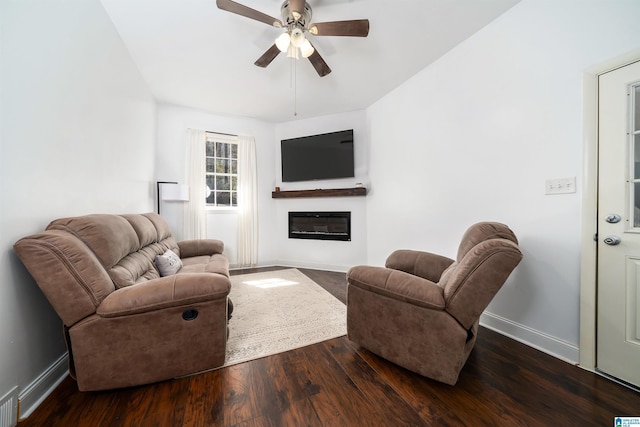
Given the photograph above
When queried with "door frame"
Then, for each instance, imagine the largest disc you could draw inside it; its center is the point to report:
(589, 205)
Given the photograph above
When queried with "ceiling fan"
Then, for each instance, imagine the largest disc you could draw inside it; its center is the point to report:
(296, 20)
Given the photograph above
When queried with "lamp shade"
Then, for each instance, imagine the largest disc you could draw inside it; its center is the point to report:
(282, 42)
(174, 192)
(306, 49)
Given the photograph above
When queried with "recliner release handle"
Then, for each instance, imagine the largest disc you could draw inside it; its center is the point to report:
(190, 314)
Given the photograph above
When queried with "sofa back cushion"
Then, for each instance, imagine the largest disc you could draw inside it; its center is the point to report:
(67, 271)
(154, 237)
(126, 245)
(109, 237)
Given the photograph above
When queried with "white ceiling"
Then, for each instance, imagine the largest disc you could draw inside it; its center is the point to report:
(193, 54)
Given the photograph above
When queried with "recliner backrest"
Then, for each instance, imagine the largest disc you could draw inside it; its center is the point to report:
(79, 261)
(487, 255)
(154, 236)
(482, 231)
(126, 245)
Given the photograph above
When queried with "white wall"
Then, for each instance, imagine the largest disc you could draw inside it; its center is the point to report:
(173, 123)
(474, 137)
(274, 246)
(330, 255)
(77, 136)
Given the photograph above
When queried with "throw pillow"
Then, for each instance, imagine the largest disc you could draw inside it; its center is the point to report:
(168, 263)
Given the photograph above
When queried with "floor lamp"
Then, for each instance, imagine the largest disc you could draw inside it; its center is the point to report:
(171, 191)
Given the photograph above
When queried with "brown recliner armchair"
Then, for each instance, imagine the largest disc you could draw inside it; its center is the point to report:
(422, 311)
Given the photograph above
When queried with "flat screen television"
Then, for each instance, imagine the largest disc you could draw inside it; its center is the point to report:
(325, 156)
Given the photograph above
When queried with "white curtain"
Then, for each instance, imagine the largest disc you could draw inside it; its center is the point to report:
(194, 225)
(247, 202)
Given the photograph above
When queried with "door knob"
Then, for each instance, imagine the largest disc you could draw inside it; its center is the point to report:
(612, 218)
(612, 240)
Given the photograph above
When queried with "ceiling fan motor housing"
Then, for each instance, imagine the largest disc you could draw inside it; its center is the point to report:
(289, 19)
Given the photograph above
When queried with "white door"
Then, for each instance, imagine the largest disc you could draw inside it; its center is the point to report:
(618, 326)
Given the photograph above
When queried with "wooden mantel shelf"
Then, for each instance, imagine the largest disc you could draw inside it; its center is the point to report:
(330, 192)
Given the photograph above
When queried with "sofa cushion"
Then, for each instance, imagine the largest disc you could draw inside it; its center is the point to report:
(134, 268)
(168, 263)
(216, 263)
(110, 237)
(144, 228)
(152, 228)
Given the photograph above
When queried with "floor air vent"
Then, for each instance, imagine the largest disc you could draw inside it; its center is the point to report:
(9, 409)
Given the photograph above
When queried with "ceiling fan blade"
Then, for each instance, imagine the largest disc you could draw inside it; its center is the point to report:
(297, 8)
(268, 56)
(353, 28)
(239, 9)
(318, 63)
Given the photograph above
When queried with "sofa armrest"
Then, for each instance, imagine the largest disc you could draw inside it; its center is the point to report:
(197, 247)
(423, 264)
(397, 285)
(171, 291)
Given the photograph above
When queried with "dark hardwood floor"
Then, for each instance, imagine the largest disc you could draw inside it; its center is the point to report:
(336, 383)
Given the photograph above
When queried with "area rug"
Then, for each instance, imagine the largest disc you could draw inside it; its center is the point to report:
(277, 311)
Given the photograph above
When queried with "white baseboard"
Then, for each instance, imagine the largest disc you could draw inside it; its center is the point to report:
(295, 264)
(35, 393)
(234, 267)
(539, 340)
(314, 266)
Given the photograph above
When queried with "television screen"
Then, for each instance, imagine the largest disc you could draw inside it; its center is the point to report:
(325, 156)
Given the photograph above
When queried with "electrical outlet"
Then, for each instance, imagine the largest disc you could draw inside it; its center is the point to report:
(560, 186)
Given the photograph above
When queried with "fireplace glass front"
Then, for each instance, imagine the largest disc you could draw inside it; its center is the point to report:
(320, 225)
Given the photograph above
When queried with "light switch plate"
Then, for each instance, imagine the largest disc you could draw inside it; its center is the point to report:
(560, 186)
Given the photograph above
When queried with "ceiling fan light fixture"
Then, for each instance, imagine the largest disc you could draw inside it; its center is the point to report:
(296, 21)
(306, 49)
(297, 37)
(283, 42)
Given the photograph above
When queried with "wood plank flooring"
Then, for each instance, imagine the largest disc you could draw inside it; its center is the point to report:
(337, 383)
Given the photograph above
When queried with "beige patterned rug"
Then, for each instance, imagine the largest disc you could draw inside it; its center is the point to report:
(278, 311)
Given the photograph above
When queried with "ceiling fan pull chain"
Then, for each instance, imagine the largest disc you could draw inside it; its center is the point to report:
(291, 62)
(295, 88)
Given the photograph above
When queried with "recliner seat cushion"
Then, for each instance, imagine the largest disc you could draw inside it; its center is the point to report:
(216, 263)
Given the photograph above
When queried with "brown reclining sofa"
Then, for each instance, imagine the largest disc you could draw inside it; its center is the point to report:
(124, 323)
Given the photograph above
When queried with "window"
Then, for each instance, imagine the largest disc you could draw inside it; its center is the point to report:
(222, 171)
(634, 135)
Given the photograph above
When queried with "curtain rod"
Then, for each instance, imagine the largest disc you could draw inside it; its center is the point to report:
(220, 133)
